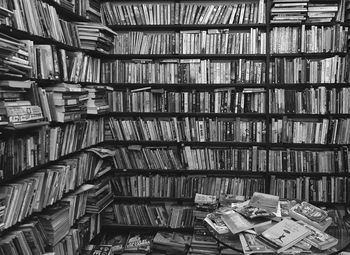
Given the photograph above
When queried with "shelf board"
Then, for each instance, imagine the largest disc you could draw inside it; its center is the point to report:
(184, 143)
(186, 56)
(307, 85)
(286, 175)
(178, 27)
(305, 145)
(189, 172)
(131, 199)
(24, 126)
(307, 55)
(182, 86)
(307, 24)
(310, 116)
(187, 114)
(116, 227)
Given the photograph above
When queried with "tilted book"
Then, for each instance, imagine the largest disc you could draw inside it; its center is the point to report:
(283, 235)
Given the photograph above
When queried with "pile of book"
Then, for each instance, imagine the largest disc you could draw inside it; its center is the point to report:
(202, 242)
(289, 11)
(16, 108)
(14, 57)
(99, 197)
(94, 36)
(67, 102)
(318, 12)
(267, 225)
(98, 101)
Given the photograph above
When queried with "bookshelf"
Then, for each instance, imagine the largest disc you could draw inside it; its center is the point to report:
(283, 98)
(200, 95)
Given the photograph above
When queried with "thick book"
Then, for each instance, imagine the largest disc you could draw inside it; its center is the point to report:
(283, 235)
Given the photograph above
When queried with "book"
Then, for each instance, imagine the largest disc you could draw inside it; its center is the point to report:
(101, 249)
(138, 243)
(283, 235)
(264, 201)
(312, 215)
(251, 246)
(318, 238)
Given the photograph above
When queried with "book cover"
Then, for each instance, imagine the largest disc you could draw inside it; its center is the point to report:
(101, 250)
(264, 201)
(312, 215)
(318, 238)
(283, 235)
(139, 242)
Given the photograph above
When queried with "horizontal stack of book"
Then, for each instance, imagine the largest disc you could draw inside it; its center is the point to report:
(289, 11)
(318, 12)
(67, 102)
(95, 36)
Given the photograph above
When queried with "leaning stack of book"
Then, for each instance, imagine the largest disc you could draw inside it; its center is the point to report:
(14, 57)
(67, 102)
(55, 222)
(30, 236)
(99, 197)
(202, 242)
(98, 101)
(318, 12)
(289, 11)
(266, 225)
(94, 36)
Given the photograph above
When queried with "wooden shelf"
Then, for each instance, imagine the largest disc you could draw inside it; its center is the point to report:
(178, 27)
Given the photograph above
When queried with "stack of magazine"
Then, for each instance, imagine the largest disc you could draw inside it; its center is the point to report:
(265, 224)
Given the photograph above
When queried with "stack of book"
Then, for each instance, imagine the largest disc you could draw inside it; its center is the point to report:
(14, 57)
(67, 102)
(318, 12)
(202, 242)
(55, 222)
(16, 108)
(99, 197)
(94, 36)
(28, 238)
(289, 11)
(98, 101)
(69, 244)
